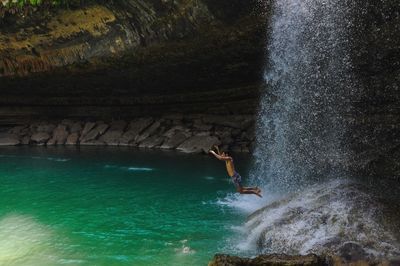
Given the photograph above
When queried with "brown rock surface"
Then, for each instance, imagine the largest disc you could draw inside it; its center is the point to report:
(94, 133)
(60, 135)
(268, 260)
(40, 137)
(72, 139)
(148, 132)
(197, 144)
(175, 140)
(112, 137)
(114, 134)
(7, 139)
(134, 129)
(152, 142)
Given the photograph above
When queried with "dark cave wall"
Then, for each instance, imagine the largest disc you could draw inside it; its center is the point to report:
(132, 58)
(124, 59)
(376, 61)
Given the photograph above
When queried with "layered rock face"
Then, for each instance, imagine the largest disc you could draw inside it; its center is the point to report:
(138, 58)
(189, 134)
(286, 260)
(127, 59)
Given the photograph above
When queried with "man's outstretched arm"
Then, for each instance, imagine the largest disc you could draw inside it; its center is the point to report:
(219, 157)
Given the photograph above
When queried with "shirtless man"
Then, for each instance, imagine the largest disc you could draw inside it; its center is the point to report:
(236, 178)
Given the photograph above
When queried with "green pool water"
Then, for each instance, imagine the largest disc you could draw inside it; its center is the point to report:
(104, 206)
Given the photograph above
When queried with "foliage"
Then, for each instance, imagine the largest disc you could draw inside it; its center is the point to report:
(27, 6)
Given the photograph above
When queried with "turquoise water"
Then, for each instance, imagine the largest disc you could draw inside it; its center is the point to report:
(103, 206)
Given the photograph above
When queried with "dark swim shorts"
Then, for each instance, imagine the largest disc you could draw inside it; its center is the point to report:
(237, 179)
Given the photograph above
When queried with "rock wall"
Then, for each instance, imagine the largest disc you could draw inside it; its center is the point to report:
(130, 58)
(286, 260)
(189, 134)
(376, 62)
(138, 58)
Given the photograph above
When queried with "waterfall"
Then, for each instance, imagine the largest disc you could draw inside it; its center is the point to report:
(309, 87)
(312, 204)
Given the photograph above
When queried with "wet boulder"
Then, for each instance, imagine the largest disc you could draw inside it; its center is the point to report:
(7, 139)
(94, 133)
(148, 132)
(175, 140)
(60, 135)
(40, 137)
(134, 129)
(114, 134)
(72, 139)
(198, 144)
(268, 260)
(88, 127)
(152, 142)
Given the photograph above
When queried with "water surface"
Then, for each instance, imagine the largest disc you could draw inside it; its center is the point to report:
(109, 206)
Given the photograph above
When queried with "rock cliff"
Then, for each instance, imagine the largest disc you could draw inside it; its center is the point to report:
(129, 58)
(376, 65)
(126, 59)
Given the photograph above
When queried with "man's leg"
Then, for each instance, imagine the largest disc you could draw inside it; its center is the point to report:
(243, 190)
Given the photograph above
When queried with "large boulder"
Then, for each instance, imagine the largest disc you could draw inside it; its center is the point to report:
(175, 140)
(148, 132)
(114, 134)
(128, 138)
(8, 139)
(60, 135)
(134, 129)
(94, 133)
(137, 126)
(172, 131)
(112, 137)
(72, 139)
(152, 142)
(197, 144)
(40, 137)
(268, 260)
(88, 127)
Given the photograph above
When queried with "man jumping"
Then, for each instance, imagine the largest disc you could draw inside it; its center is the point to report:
(236, 178)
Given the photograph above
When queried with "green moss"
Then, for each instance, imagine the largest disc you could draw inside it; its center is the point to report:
(25, 7)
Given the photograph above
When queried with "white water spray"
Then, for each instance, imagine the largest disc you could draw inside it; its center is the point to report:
(301, 142)
(309, 86)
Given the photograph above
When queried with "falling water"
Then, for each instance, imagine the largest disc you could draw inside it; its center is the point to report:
(302, 148)
(309, 84)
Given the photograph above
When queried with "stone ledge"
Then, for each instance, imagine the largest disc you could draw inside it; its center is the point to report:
(185, 133)
(296, 260)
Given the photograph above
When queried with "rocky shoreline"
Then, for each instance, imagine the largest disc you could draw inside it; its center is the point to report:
(188, 134)
(297, 260)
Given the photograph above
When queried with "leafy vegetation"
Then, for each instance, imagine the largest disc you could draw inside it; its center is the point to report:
(27, 6)
(22, 3)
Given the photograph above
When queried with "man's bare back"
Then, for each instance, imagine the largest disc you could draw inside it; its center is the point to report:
(237, 179)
